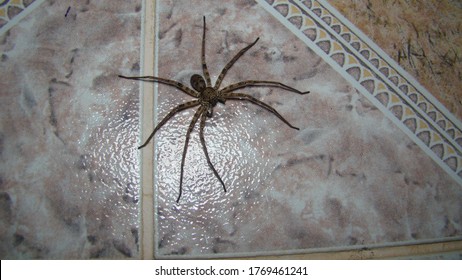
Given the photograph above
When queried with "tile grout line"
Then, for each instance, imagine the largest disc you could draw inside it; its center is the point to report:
(381, 77)
(146, 122)
(27, 10)
(393, 64)
(363, 91)
(154, 232)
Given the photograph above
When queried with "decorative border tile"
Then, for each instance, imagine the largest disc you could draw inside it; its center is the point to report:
(402, 99)
(12, 11)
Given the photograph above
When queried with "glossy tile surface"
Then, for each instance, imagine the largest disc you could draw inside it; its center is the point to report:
(376, 161)
(69, 177)
(351, 176)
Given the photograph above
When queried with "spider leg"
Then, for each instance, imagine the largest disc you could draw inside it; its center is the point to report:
(175, 110)
(243, 96)
(204, 147)
(172, 83)
(204, 65)
(226, 68)
(199, 112)
(255, 83)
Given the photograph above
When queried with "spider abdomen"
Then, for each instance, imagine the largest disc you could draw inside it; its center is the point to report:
(207, 98)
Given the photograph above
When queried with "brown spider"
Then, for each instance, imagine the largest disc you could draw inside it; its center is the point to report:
(207, 97)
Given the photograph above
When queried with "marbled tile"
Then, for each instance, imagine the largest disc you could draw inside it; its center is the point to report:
(69, 177)
(424, 37)
(350, 177)
(12, 10)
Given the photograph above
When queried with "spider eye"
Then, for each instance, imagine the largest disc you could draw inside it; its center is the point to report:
(197, 82)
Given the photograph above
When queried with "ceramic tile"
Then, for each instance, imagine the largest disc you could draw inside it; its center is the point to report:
(422, 36)
(445, 256)
(69, 178)
(11, 11)
(376, 162)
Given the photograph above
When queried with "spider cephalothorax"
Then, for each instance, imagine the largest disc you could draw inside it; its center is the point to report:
(207, 96)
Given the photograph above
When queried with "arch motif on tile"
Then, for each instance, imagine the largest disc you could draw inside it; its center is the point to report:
(11, 11)
(400, 96)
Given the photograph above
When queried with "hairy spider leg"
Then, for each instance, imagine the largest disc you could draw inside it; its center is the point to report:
(175, 110)
(172, 83)
(204, 147)
(199, 112)
(256, 83)
(243, 96)
(230, 63)
(204, 65)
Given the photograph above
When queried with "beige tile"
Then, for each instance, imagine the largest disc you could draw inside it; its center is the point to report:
(69, 128)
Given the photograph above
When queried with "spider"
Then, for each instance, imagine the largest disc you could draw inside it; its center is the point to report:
(207, 96)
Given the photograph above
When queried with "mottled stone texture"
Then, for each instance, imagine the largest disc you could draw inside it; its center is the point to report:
(348, 177)
(69, 128)
(69, 173)
(424, 37)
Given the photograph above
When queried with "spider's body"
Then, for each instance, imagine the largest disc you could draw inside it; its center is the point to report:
(207, 97)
